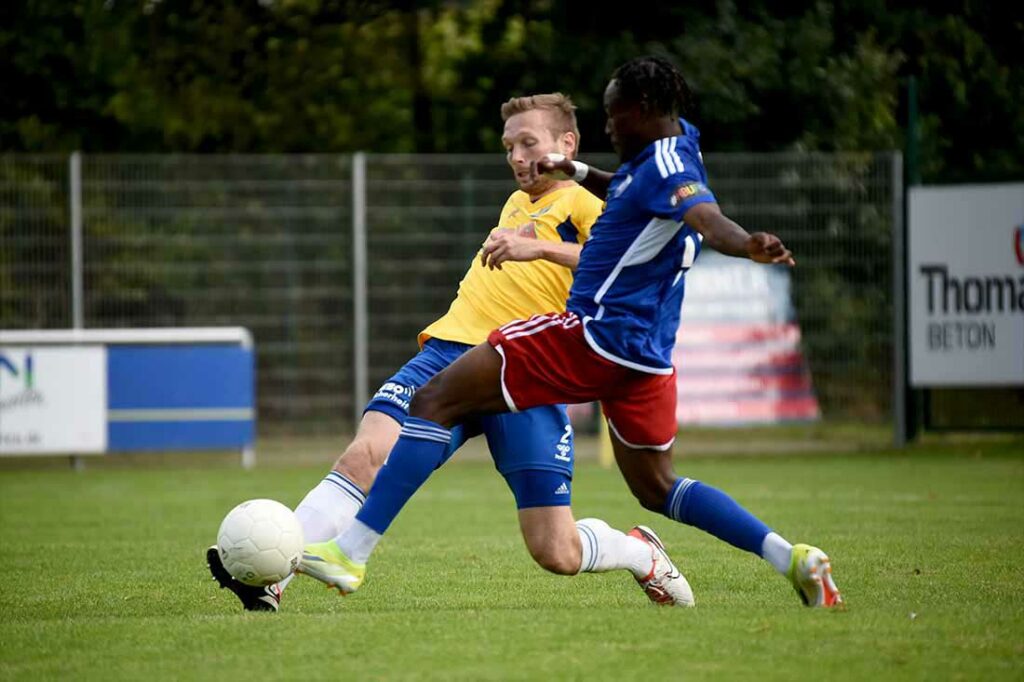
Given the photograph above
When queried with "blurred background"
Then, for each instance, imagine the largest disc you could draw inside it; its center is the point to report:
(218, 142)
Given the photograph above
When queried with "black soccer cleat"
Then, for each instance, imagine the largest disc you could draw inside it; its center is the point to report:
(253, 598)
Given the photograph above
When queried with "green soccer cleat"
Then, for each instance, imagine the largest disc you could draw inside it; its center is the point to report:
(811, 574)
(327, 563)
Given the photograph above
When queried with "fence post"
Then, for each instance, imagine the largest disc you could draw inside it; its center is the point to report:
(359, 326)
(77, 314)
(901, 427)
(75, 179)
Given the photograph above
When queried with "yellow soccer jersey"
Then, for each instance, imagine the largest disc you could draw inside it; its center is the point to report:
(488, 298)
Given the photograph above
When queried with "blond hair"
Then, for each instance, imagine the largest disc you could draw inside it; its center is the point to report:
(562, 108)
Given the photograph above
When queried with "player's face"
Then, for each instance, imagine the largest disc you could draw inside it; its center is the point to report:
(624, 124)
(528, 137)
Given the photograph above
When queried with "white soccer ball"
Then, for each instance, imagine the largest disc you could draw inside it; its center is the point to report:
(260, 542)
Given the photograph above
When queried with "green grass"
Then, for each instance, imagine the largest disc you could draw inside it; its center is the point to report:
(105, 578)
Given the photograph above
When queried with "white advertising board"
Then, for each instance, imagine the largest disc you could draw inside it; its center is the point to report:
(966, 273)
(53, 400)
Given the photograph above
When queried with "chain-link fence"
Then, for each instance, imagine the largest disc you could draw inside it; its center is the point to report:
(35, 246)
(835, 211)
(266, 242)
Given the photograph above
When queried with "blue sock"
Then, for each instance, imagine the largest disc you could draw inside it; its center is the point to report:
(700, 505)
(419, 450)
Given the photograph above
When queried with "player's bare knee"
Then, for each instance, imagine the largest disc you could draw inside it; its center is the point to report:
(432, 402)
(426, 403)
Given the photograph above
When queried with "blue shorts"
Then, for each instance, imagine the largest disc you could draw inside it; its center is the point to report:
(537, 488)
(536, 440)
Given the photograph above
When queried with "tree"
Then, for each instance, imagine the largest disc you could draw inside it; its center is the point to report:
(339, 75)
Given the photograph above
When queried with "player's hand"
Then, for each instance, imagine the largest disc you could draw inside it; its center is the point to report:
(502, 246)
(767, 248)
(555, 165)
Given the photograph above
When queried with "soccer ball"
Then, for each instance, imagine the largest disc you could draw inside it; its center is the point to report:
(260, 542)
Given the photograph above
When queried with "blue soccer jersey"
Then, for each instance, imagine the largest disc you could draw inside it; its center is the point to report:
(628, 287)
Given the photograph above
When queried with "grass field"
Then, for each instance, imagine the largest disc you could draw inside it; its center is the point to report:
(105, 578)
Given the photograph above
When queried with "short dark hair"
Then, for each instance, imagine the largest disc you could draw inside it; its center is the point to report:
(655, 83)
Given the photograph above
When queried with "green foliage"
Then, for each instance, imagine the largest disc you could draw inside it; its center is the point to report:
(34, 244)
(794, 86)
(341, 75)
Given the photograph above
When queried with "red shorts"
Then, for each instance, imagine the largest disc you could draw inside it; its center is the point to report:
(546, 361)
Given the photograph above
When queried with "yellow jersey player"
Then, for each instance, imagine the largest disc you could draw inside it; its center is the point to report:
(613, 344)
(524, 267)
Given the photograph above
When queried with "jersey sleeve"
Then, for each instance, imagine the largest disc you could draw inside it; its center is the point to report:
(585, 213)
(674, 184)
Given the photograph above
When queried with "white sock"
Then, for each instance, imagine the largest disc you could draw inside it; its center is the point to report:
(777, 552)
(607, 549)
(357, 541)
(327, 510)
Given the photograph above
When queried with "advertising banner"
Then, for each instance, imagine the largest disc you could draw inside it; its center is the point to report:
(53, 400)
(737, 353)
(966, 275)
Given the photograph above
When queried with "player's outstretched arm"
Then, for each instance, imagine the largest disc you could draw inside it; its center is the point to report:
(725, 236)
(505, 245)
(594, 180)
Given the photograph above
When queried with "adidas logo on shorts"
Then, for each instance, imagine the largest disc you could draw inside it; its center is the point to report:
(562, 490)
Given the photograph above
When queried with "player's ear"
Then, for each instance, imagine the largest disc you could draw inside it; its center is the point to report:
(568, 144)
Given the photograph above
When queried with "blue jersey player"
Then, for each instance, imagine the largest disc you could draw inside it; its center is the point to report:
(525, 267)
(612, 343)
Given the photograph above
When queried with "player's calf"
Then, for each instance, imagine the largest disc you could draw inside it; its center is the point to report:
(556, 560)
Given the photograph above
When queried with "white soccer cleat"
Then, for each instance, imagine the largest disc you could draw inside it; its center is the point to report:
(665, 584)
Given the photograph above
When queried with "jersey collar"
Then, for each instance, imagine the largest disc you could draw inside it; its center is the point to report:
(546, 199)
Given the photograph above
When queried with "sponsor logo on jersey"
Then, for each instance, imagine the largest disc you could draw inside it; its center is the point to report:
(687, 191)
(528, 230)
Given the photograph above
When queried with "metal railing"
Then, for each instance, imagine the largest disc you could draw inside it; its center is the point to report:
(335, 262)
